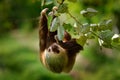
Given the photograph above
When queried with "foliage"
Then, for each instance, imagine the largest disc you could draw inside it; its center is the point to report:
(102, 30)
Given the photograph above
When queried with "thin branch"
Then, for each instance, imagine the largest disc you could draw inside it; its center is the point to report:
(61, 3)
(74, 18)
(96, 35)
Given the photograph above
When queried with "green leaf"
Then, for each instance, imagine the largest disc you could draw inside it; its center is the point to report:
(63, 8)
(82, 40)
(106, 36)
(89, 35)
(83, 12)
(59, 1)
(77, 27)
(92, 10)
(89, 12)
(55, 24)
(109, 22)
(116, 40)
(105, 24)
(94, 27)
(60, 32)
(85, 28)
(72, 0)
(68, 27)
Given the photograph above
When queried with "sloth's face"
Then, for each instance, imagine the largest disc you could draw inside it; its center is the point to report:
(56, 58)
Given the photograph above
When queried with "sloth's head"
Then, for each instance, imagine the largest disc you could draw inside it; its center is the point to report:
(56, 58)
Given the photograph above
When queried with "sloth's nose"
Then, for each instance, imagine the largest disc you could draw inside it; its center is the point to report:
(55, 49)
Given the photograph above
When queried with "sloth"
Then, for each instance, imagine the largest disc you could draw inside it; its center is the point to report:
(56, 55)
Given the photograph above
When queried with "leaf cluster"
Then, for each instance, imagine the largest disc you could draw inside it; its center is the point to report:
(102, 31)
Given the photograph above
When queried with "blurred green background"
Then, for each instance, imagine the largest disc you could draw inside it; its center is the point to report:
(19, 46)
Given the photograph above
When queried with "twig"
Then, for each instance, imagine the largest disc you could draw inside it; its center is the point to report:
(74, 18)
(96, 35)
(61, 3)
